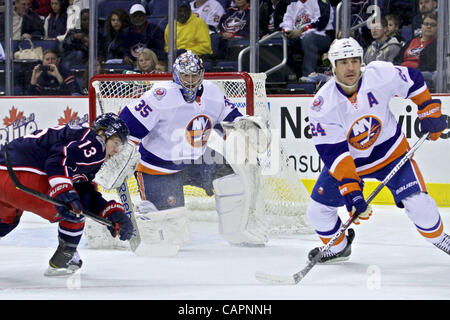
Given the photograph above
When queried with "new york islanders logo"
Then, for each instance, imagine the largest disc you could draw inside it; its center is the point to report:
(198, 131)
(364, 132)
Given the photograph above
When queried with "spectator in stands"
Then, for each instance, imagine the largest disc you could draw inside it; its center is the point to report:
(393, 27)
(309, 27)
(41, 7)
(425, 7)
(75, 47)
(117, 25)
(76, 43)
(82, 4)
(161, 67)
(73, 16)
(49, 79)
(234, 26)
(271, 13)
(384, 47)
(56, 22)
(142, 34)
(209, 11)
(192, 33)
(420, 52)
(26, 23)
(147, 61)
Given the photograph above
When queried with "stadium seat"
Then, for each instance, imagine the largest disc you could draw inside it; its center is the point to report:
(304, 88)
(158, 21)
(161, 9)
(225, 66)
(406, 33)
(105, 8)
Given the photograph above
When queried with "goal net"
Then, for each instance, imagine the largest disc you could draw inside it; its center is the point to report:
(283, 197)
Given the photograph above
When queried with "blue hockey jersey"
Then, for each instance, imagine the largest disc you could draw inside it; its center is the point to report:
(64, 153)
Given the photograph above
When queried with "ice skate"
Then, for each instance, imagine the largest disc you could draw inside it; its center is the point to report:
(65, 261)
(444, 244)
(329, 256)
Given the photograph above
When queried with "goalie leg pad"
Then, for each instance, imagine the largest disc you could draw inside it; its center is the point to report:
(233, 208)
(169, 226)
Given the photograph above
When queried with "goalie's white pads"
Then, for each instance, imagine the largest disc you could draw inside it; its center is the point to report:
(253, 127)
(169, 227)
(237, 222)
(119, 167)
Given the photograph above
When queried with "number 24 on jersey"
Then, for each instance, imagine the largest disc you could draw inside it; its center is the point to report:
(317, 129)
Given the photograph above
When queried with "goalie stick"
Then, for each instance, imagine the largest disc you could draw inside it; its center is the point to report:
(47, 198)
(298, 276)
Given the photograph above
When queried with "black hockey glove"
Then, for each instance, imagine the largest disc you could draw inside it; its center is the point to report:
(64, 192)
(115, 213)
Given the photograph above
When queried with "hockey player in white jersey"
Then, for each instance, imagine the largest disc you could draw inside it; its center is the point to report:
(172, 123)
(357, 137)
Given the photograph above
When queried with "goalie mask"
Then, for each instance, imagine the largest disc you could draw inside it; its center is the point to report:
(112, 125)
(188, 73)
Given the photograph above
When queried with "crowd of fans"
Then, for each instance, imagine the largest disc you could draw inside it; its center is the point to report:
(134, 40)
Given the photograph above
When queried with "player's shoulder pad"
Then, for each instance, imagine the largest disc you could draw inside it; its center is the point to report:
(212, 91)
(97, 142)
(380, 72)
(161, 94)
(325, 100)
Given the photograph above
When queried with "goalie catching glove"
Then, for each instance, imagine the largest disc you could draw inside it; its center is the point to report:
(351, 190)
(115, 213)
(255, 128)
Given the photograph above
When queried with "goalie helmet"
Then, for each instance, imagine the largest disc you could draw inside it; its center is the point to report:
(112, 124)
(188, 73)
(344, 48)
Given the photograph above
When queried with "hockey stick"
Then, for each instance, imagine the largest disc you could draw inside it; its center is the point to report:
(139, 247)
(298, 276)
(47, 198)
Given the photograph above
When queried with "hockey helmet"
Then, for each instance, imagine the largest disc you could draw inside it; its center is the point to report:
(112, 125)
(188, 72)
(344, 48)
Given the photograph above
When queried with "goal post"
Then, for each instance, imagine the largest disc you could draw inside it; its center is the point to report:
(283, 201)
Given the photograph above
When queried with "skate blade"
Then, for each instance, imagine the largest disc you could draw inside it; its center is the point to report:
(333, 261)
(60, 272)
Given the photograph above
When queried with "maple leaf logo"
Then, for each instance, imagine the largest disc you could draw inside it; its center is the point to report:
(13, 117)
(68, 116)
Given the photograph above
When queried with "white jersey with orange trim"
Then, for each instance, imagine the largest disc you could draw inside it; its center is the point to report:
(210, 11)
(362, 128)
(171, 131)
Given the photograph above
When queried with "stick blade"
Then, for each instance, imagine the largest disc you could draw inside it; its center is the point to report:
(273, 279)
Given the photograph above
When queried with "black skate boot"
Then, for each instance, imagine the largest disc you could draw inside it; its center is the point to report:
(328, 256)
(65, 260)
(444, 244)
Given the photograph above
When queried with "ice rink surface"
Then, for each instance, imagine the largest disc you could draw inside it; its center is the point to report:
(390, 261)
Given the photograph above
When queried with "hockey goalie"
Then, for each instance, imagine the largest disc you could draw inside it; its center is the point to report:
(171, 124)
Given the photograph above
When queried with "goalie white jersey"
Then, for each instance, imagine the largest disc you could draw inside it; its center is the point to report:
(172, 133)
(362, 126)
